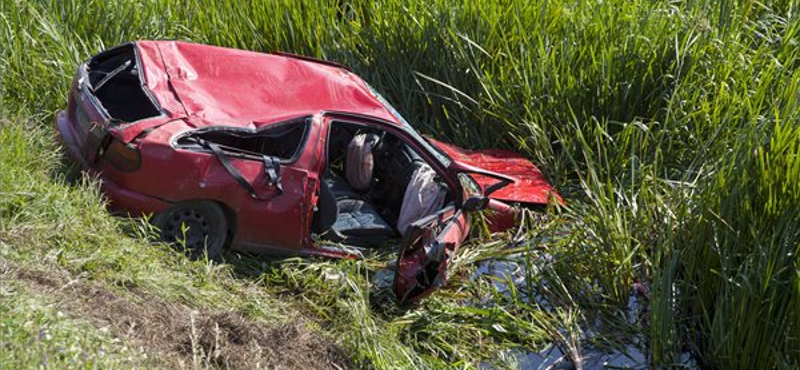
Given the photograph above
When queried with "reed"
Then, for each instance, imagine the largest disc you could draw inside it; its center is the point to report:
(671, 128)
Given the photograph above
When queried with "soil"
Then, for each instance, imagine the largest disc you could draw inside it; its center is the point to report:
(183, 337)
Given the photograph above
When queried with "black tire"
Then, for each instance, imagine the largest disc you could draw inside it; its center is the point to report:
(206, 228)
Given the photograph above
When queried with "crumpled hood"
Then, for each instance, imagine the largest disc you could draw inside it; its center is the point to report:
(531, 185)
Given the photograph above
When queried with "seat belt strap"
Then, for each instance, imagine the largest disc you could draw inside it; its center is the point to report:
(226, 163)
(272, 169)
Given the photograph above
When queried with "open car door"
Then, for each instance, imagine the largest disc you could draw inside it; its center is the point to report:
(431, 241)
(426, 253)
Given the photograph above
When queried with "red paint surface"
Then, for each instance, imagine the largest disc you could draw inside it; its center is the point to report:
(211, 85)
(417, 276)
(531, 185)
(501, 216)
(201, 86)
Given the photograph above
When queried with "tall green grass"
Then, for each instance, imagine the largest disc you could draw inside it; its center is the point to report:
(671, 127)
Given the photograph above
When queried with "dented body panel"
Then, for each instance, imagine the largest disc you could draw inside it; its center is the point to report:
(219, 86)
(530, 185)
(159, 135)
(192, 175)
(423, 260)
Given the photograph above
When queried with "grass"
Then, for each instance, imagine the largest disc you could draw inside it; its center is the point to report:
(670, 127)
(37, 333)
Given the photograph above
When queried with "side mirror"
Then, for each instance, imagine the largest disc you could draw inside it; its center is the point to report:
(475, 203)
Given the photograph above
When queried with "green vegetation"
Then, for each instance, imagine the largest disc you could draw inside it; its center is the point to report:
(35, 333)
(671, 128)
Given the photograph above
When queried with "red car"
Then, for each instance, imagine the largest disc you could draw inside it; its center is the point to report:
(282, 153)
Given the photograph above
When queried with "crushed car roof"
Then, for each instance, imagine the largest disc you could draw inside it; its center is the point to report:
(249, 89)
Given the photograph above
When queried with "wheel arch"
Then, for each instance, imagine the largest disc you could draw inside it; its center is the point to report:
(230, 218)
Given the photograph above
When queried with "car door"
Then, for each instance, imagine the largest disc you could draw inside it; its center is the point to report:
(429, 245)
(266, 191)
(273, 215)
(426, 253)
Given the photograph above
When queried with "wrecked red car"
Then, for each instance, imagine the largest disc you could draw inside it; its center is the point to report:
(281, 153)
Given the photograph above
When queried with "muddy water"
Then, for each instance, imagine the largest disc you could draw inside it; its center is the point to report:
(506, 272)
(630, 356)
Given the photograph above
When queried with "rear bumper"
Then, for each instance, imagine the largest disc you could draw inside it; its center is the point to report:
(127, 202)
(70, 139)
(121, 200)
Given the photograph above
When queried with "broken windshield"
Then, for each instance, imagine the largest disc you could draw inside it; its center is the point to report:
(443, 158)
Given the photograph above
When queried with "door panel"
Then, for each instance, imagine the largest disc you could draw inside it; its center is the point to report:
(276, 218)
(273, 218)
(426, 253)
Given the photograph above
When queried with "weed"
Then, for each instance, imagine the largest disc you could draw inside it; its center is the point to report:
(670, 127)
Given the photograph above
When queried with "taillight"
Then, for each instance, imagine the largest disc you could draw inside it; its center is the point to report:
(123, 156)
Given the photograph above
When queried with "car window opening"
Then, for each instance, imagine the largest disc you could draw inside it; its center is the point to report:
(440, 155)
(374, 186)
(114, 79)
(282, 141)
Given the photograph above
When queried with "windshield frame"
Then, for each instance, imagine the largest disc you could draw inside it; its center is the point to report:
(440, 155)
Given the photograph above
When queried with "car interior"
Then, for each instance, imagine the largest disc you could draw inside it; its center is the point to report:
(114, 80)
(282, 141)
(364, 194)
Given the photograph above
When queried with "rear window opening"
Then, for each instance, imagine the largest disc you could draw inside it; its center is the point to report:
(283, 141)
(115, 79)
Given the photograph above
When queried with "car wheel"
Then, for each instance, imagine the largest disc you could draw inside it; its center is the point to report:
(196, 227)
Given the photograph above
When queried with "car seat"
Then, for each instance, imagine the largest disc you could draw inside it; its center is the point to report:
(343, 215)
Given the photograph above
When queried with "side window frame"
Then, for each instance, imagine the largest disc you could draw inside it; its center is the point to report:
(306, 121)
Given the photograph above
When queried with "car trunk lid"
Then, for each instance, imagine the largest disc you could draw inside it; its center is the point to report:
(88, 123)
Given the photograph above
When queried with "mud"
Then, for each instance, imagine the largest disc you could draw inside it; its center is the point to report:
(182, 337)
